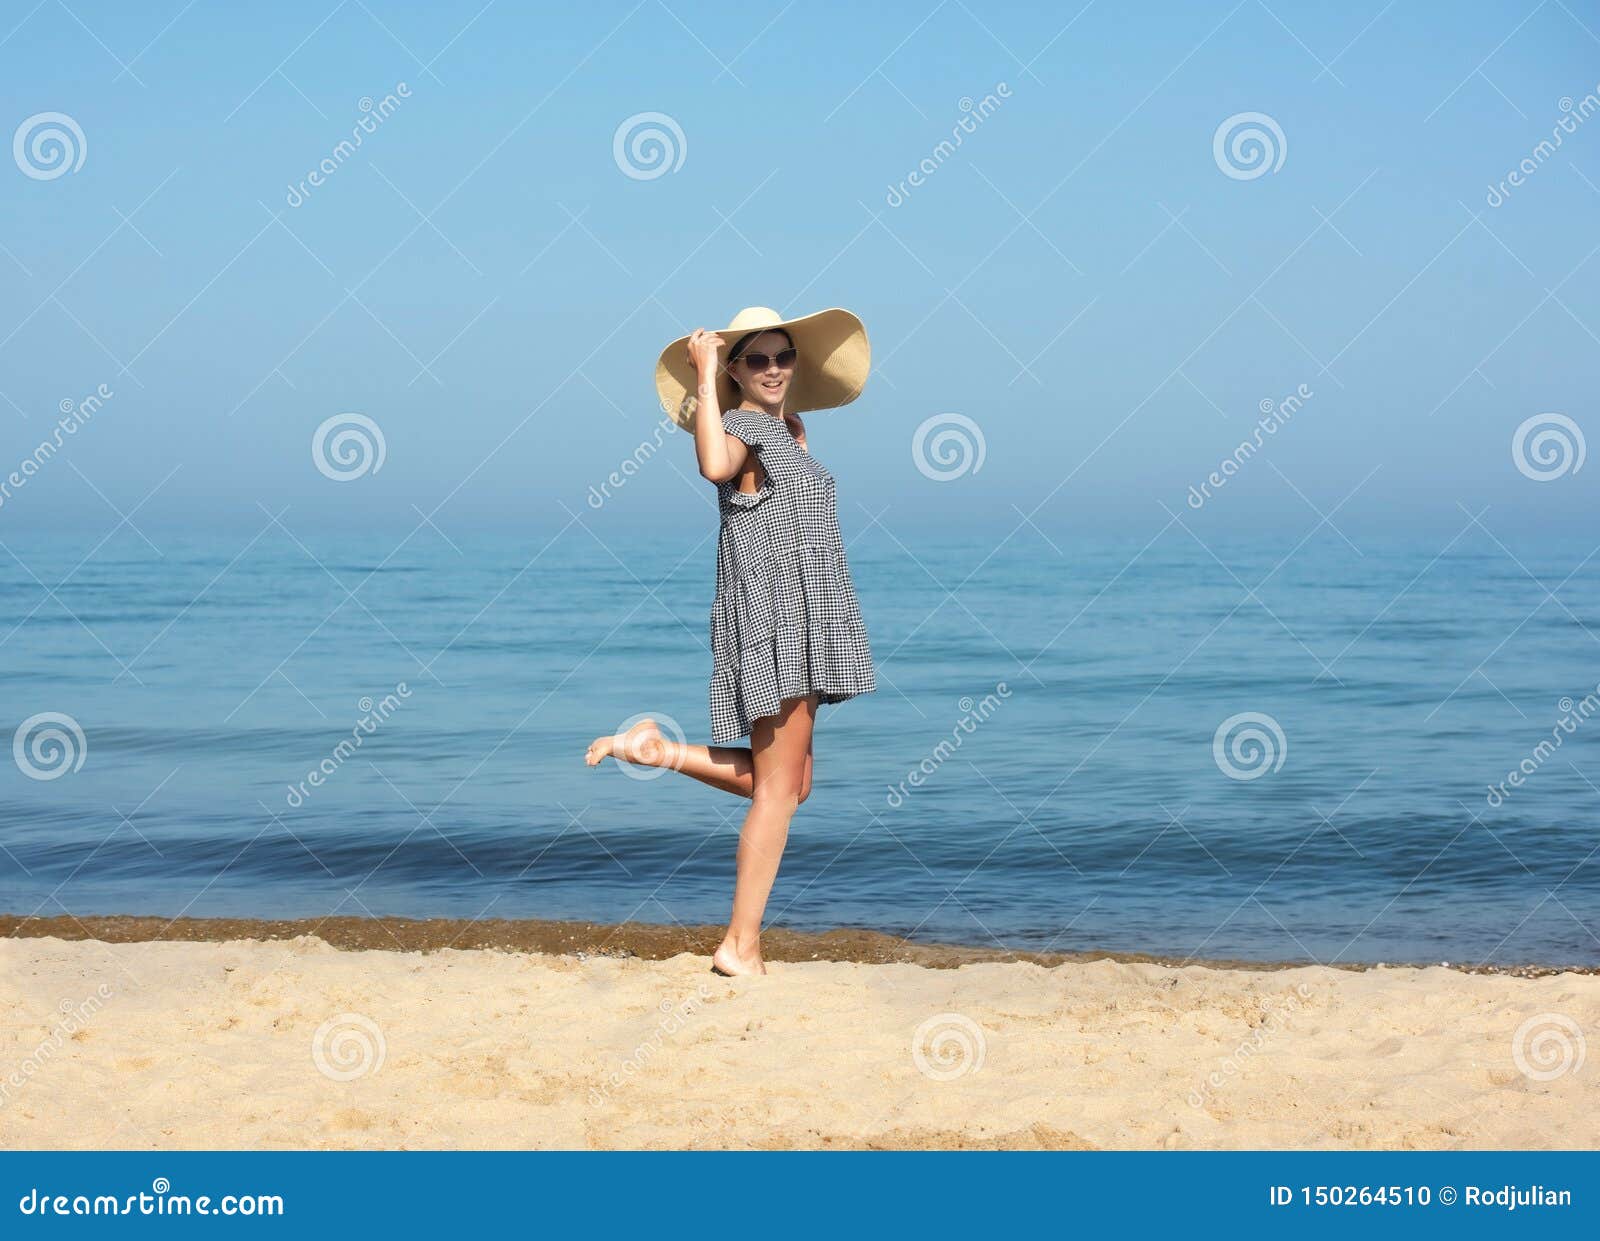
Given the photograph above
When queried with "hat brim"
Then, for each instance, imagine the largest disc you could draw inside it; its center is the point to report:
(835, 358)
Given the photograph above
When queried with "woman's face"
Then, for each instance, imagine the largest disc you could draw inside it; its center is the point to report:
(768, 386)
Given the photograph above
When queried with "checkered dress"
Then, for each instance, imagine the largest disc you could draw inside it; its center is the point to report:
(785, 621)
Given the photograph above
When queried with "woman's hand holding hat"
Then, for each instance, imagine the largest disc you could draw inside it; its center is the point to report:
(703, 346)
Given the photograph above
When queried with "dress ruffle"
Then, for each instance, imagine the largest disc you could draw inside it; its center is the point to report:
(784, 630)
(748, 499)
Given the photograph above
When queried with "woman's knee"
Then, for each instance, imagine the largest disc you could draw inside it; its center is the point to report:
(782, 799)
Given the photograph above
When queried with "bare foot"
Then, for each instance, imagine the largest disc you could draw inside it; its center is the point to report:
(641, 744)
(728, 960)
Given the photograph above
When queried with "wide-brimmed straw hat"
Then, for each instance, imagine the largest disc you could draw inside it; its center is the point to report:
(830, 371)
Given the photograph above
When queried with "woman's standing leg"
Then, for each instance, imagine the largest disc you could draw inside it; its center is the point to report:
(780, 747)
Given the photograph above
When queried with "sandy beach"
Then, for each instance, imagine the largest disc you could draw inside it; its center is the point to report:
(268, 1043)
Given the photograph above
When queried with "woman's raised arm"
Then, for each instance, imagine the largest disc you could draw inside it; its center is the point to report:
(721, 455)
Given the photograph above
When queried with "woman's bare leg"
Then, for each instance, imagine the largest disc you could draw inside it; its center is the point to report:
(780, 747)
(728, 768)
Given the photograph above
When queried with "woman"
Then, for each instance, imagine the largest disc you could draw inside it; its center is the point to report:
(786, 628)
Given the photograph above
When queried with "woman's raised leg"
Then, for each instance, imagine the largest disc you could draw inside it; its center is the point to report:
(728, 768)
(780, 752)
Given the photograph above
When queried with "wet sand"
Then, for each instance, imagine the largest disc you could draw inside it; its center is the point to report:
(647, 941)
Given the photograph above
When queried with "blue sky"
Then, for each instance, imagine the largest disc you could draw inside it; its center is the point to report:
(1082, 279)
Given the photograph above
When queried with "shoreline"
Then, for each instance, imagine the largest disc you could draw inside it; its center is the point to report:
(644, 941)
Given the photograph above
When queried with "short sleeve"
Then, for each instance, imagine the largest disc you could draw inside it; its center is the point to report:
(741, 425)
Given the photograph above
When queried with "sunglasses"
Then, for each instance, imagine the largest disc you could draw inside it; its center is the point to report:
(759, 361)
